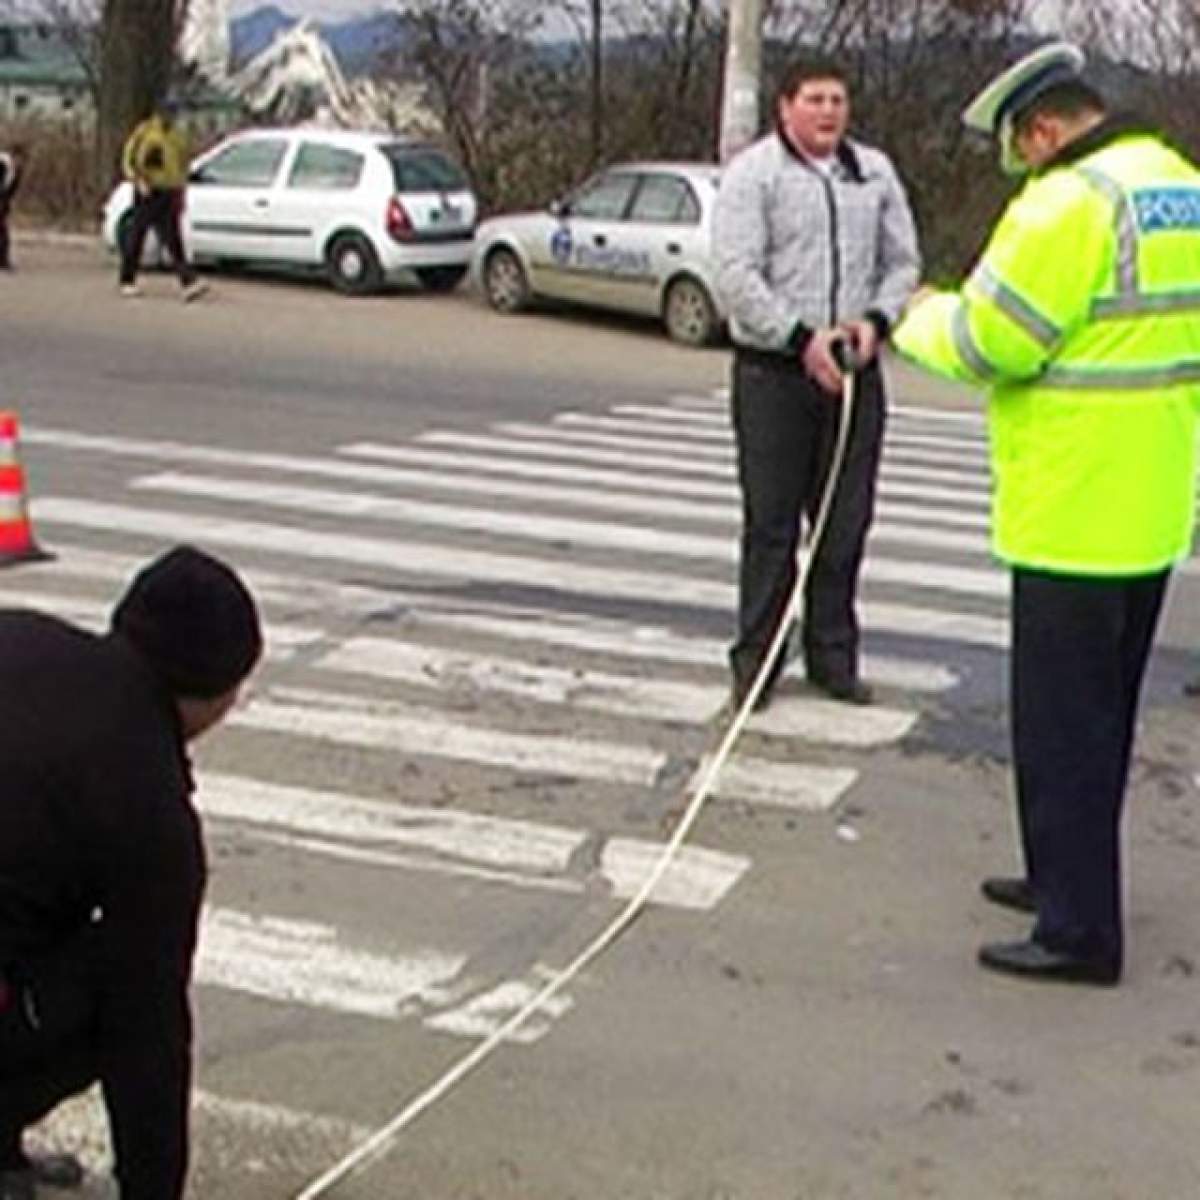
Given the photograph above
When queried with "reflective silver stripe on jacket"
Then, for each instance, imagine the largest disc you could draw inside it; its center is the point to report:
(1136, 306)
(1014, 306)
(1124, 226)
(1119, 379)
(964, 343)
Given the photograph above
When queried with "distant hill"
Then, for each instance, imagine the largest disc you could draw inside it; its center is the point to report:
(357, 41)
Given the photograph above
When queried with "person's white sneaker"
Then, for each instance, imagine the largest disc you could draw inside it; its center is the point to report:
(129, 290)
(194, 290)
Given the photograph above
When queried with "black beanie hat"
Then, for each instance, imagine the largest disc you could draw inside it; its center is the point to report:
(194, 620)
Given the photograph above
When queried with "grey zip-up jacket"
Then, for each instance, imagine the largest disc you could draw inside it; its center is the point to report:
(797, 250)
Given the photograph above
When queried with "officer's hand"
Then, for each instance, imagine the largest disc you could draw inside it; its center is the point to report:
(819, 362)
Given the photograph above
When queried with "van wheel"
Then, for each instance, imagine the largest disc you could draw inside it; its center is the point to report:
(353, 265)
(440, 279)
(505, 283)
(689, 313)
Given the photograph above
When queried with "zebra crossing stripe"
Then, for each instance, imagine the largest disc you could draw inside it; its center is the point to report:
(532, 526)
(79, 1126)
(412, 609)
(306, 962)
(497, 849)
(654, 643)
(282, 640)
(418, 561)
(598, 691)
(405, 729)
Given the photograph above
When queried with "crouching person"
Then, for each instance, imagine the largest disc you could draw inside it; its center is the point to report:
(102, 865)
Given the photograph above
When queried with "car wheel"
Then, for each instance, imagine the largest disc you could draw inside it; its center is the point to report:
(353, 265)
(505, 283)
(689, 313)
(440, 279)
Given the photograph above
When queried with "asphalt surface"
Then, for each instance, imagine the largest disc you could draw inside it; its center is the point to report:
(804, 1019)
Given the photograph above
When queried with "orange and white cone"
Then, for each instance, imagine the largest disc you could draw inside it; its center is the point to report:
(16, 532)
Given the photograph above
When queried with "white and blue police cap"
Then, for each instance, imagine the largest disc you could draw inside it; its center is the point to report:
(995, 109)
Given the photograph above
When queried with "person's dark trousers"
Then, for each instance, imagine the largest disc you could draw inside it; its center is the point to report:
(785, 427)
(159, 210)
(5, 260)
(47, 1041)
(1079, 650)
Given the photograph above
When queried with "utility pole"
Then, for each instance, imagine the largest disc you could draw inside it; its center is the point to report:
(743, 72)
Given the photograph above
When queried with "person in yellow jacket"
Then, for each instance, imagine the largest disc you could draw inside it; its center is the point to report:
(155, 161)
(1082, 318)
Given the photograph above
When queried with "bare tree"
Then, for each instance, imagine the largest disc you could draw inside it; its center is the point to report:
(137, 57)
(1153, 48)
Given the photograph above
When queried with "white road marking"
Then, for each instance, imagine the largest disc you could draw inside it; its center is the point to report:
(495, 849)
(839, 724)
(79, 1126)
(305, 962)
(403, 729)
(648, 642)
(421, 560)
(485, 1013)
(762, 781)
(282, 640)
(532, 526)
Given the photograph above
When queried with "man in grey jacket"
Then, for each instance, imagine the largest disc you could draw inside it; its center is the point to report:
(815, 243)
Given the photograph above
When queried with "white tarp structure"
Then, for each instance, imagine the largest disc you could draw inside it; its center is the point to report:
(204, 42)
(297, 78)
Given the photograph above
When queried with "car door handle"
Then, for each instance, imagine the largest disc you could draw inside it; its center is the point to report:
(600, 240)
(262, 204)
(674, 248)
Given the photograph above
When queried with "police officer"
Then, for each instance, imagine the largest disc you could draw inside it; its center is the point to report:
(814, 242)
(1083, 318)
(101, 859)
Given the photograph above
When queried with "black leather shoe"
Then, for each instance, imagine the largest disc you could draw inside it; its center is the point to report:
(850, 690)
(1192, 687)
(1032, 960)
(1009, 892)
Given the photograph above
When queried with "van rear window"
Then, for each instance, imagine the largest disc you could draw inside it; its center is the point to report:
(423, 169)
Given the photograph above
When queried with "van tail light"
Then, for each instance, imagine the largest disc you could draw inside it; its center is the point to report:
(397, 221)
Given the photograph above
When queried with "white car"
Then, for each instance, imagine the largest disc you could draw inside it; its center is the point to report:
(635, 237)
(361, 206)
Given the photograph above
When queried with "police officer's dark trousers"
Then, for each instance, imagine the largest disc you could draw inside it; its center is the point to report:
(47, 1040)
(786, 427)
(1079, 650)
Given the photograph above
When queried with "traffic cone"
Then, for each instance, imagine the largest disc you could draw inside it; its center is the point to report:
(16, 533)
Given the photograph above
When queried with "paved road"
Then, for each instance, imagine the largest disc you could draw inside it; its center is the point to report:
(495, 557)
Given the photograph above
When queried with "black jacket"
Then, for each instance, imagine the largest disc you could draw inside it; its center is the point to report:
(99, 841)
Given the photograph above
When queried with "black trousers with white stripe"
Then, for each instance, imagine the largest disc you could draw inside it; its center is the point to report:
(786, 429)
(1079, 650)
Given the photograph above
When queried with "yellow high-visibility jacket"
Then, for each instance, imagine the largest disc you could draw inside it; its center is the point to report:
(1083, 320)
(156, 154)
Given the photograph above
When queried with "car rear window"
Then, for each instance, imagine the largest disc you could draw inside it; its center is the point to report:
(424, 169)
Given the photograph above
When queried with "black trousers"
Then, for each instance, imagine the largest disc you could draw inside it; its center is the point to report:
(159, 210)
(786, 428)
(1079, 652)
(5, 261)
(47, 1040)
